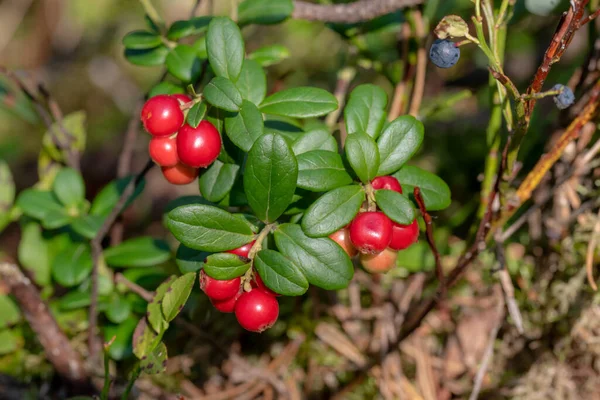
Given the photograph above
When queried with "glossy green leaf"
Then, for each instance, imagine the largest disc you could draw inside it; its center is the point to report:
(141, 40)
(222, 93)
(88, 225)
(33, 254)
(7, 194)
(196, 114)
(398, 143)
(193, 26)
(264, 12)
(301, 102)
(9, 341)
(397, 207)
(366, 110)
(208, 228)
(190, 260)
(245, 126)
(362, 155)
(56, 219)
(435, 192)
(270, 177)
(68, 187)
(156, 361)
(154, 313)
(9, 312)
(224, 266)
(314, 140)
(218, 180)
(165, 88)
(119, 309)
(321, 171)
(147, 57)
(183, 63)
(138, 252)
(323, 262)
(270, 55)
(332, 211)
(225, 48)
(252, 82)
(177, 295)
(38, 204)
(71, 266)
(109, 196)
(279, 274)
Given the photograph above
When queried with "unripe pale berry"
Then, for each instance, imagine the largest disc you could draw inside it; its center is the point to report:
(180, 174)
(244, 250)
(200, 146)
(371, 232)
(227, 305)
(444, 53)
(256, 310)
(163, 151)
(162, 115)
(219, 289)
(379, 263)
(342, 238)
(386, 182)
(403, 236)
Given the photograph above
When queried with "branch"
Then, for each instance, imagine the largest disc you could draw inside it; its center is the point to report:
(430, 239)
(362, 10)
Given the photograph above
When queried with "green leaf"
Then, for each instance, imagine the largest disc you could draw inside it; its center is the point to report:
(88, 225)
(218, 180)
(193, 26)
(224, 266)
(156, 361)
(270, 55)
(225, 48)
(397, 207)
(154, 313)
(71, 130)
(147, 57)
(264, 12)
(245, 126)
(252, 82)
(165, 88)
(314, 140)
(38, 204)
(398, 143)
(72, 265)
(56, 219)
(196, 114)
(9, 312)
(119, 309)
(435, 192)
(108, 197)
(222, 93)
(68, 187)
(138, 252)
(7, 194)
(9, 341)
(363, 156)
(332, 211)
(208, 228)
(141, 40)
(33, 254)
(323, 262)
(176, 295)
(190, 260)
(321, 171)
(270, 177)
(121, 347)
(183, 63)
(145, 339)
(280, 274)
(365, 111)
(301, 102)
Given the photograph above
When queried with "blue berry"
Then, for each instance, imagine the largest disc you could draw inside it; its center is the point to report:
(565, 98)
(444, 53)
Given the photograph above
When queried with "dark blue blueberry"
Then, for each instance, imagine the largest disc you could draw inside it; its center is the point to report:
(444, 53)
(565, 98)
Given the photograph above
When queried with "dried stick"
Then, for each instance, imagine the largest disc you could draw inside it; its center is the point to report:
(591, 251)
(358, 11)
(419, 88)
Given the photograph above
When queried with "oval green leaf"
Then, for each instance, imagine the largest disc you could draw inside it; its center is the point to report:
(435, 192)
(190, 260)
(72, 265)
(183, 63)
(177, 295)
(245, 126)
(321, 171)
(398, 143)
(332, 211)
(38, 204)
(222, 93)
(196, 114)
(218, 180)
(141, 40)
(193, 26)
(224, 266)
(225, 48)
(365, 111)
(318, 139)
(270, 55)
(362, 155)
(138, 252)
(33, 254)
(280, 274)
(154, 313)
(301, 102)
(252, 82)
(147, 57)
(68, 187)
(397, 207)
(264, 12)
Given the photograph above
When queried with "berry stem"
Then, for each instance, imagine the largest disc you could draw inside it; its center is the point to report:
(261, 236)
(371, 203)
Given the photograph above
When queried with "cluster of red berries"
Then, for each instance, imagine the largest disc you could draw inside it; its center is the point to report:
(178, 148)
(375, 236)
(256, 310)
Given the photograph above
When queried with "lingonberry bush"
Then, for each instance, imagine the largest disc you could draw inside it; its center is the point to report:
(299, 188)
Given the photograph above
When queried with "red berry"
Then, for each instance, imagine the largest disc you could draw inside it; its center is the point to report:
(198, 147)
(371, 232)
(342, 238)
(386, 182)
(163, 151)
(244, 250)
(227, 305)
(259, 284)
(183, 98)
(162, 115)
(404, 235)
(380, 262)
(219, 289)
(180, 174)
(256, 310)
